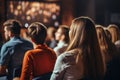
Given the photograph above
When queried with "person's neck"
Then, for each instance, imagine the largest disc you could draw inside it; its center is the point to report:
(14, 36)
(34, 45)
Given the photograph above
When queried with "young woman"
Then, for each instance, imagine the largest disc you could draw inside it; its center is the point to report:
(110, 53)
(106, 46)
(114, 31)
(62, 36)
(83, 59)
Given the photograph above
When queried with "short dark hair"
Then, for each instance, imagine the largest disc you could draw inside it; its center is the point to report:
(38, 32)
(13, 25)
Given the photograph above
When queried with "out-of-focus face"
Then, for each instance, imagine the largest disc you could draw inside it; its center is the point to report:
(6, 33)
(58, 34)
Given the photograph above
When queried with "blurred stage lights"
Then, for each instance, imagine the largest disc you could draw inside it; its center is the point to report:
(28, 12)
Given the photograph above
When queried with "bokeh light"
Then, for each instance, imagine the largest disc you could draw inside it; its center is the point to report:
(27, 12)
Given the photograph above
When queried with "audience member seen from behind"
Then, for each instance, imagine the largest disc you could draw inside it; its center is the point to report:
(106, 45)
(108, 49)
(62, 36)
(111, 54)
(115, 32)
(12, 52)
(107, 32)
(83, 59)
(39, 61)
(50, 40)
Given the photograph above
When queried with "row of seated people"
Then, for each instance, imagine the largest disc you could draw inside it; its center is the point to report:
(84, 51)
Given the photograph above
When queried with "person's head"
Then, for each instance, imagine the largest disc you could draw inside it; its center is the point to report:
(104, 42)
(101, 36)
(62, 33)
(82, 33)
(38, 32)
(83, 36)
(12, 28)
(108, 48)
(107, 32)
(115, 32)
(51, 33)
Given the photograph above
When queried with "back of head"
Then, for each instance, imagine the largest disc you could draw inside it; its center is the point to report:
(108, 34)
(82, 32)
(115, 32)
(14, 26)
(101, 36)
(106, 45)
(38, 32)
(83, 35)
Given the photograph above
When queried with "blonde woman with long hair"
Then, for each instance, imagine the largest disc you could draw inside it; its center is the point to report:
(105, 44)
(115, 35)
(114, 31)
(82, 59)
(109, 53)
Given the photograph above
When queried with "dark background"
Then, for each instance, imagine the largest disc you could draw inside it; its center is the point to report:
(103, 12)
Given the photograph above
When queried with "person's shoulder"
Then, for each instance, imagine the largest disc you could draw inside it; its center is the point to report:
(65, 58)
(7, 46)
(65, 55)
(8, 43)
(29, 52)
(117, 42)
(26, 41)
(69, 55)
(50, 50)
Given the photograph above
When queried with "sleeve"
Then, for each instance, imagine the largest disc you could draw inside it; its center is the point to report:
(4, 55)
(27, 67)
(59, 69)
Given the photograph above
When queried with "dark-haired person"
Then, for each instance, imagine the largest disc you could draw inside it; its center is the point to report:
(39, 61)
(12, 52)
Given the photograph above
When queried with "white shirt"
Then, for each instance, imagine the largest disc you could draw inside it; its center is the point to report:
(60, 48)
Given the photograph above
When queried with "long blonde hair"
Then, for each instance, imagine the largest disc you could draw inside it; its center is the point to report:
(115, 32)
(105, 44)
(83, 36)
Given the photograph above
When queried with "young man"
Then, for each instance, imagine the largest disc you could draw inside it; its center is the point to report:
(12, 52)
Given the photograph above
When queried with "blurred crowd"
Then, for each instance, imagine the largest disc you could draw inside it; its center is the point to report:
(82, 51)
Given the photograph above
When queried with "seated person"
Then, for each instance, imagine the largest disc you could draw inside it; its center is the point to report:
(62, 36)
(41, 59)
(12, 52)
